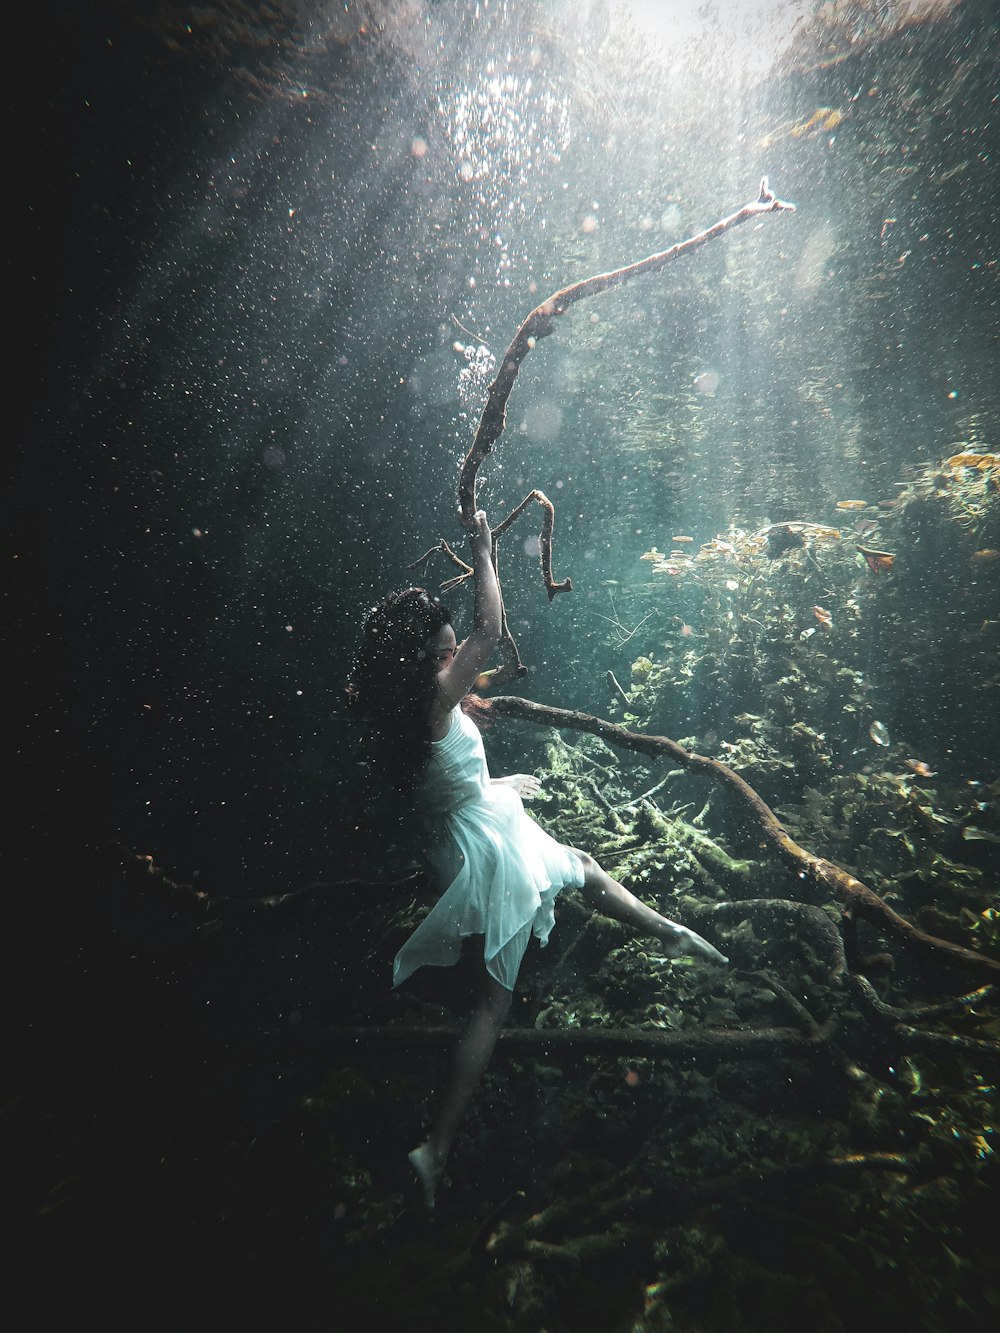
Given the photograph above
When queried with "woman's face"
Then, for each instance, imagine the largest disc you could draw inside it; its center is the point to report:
(443, 646)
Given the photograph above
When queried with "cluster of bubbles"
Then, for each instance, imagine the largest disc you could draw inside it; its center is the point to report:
(476, 375)
(501, 129)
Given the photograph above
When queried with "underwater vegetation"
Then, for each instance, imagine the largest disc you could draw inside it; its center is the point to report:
(820, 630)
(835, 663)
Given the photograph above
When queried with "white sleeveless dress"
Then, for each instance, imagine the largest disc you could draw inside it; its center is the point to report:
(502, 871)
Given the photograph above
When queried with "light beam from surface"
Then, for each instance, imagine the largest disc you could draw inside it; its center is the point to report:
(752, 33)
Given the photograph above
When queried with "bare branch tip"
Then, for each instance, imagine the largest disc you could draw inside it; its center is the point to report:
(768, 197)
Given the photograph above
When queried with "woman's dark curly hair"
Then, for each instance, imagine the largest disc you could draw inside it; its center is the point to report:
(394, 681)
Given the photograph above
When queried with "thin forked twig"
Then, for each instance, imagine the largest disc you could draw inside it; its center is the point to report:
(623, 634)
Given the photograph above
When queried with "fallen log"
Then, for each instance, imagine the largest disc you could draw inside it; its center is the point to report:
(639, 1043)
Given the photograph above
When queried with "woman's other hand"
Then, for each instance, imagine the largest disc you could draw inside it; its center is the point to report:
(525, 784)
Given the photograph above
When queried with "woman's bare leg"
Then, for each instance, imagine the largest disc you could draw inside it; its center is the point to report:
(469, 1062)
(475, 1046)
(614, 900)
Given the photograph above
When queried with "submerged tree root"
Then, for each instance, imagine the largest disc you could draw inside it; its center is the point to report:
(811, 922)
(594, 1229)
(704, 1046)
(860, 900)
(900, 1021)
(673, 1198)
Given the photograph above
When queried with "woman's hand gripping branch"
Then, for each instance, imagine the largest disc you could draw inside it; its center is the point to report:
(525, 784)
(458, 676)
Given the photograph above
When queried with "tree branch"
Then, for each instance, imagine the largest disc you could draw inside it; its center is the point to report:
(541, 321)
(539, 324)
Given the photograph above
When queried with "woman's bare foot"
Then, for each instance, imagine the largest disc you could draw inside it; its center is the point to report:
(684, 941)
(428, 1169)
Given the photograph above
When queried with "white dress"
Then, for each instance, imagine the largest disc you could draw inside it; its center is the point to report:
(502, 871)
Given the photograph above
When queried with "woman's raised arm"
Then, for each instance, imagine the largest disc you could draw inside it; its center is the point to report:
(457, 679)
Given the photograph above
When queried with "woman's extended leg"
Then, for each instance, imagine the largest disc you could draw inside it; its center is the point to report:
(614, 900)
(472, 1055)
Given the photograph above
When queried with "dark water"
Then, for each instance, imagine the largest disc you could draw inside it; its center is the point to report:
(275, 255)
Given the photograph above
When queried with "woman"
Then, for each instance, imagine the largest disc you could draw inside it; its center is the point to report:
(412, 680)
